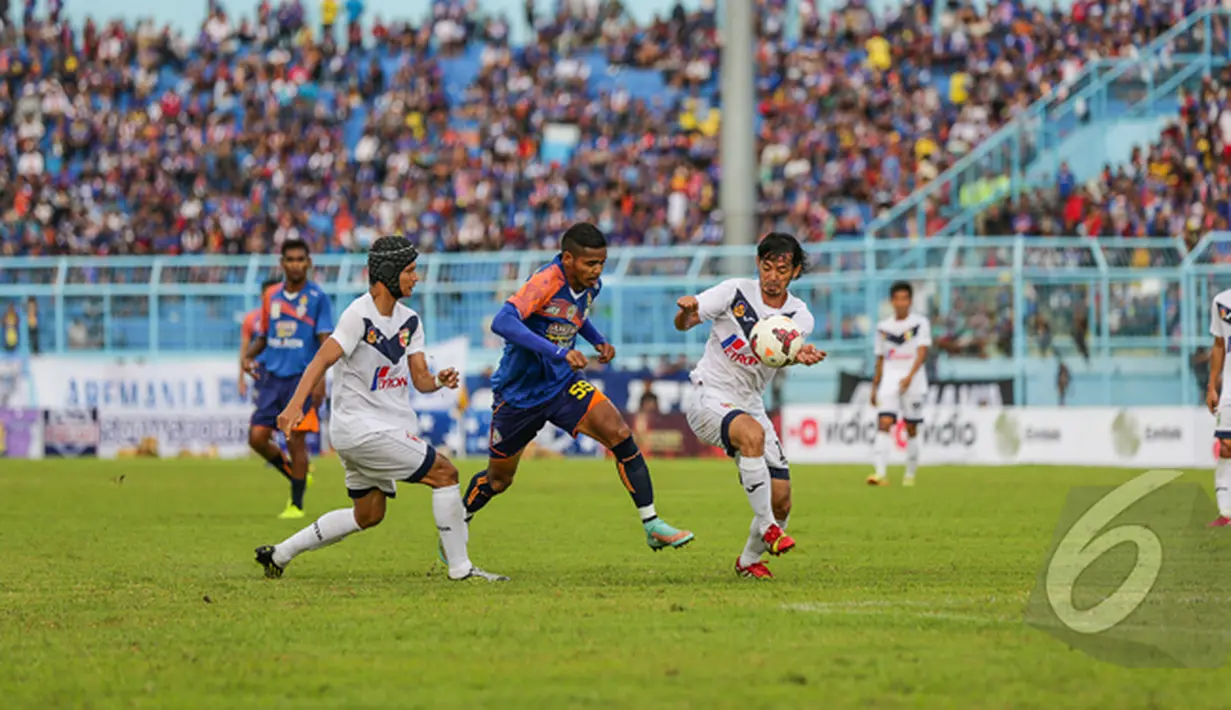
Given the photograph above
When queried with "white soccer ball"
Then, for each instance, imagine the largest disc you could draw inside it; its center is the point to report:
(776, 341)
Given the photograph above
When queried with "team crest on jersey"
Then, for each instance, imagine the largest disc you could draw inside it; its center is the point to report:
(572, 312)
(1224, 313)
(404, 337)
(744, 313)
(589, 302)
(372, 336)
(302, 308)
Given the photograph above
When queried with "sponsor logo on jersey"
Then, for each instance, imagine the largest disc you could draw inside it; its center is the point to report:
(732, 347)
(384, 379)
(275, 309)
(561, 333)
(739, 310)
(285, 328)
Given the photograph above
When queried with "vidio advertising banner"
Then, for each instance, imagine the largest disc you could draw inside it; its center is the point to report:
(1141, 437)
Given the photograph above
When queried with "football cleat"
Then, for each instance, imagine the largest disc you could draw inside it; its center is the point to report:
(875, 480)
(476, 573)
(777, 541)
(291, 512)
(265, 558)
(908, 481)
(1221, 521)
(753, 571)
(659, 534)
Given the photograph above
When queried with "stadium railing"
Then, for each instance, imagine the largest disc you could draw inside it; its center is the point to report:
(1028, 150)
(1002, 307)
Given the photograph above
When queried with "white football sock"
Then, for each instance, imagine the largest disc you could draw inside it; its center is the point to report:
(1222, 486)
(754, 477)
(328, 529)
(450, 517)
(912, 456)
(755, 547)
(783, 521)
(647, 512)
(880, 453)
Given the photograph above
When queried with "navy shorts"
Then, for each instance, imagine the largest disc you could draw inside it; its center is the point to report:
(513, 428)
(273, 393)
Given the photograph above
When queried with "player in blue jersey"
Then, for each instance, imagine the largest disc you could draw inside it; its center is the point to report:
(538, 380)
(296, 317)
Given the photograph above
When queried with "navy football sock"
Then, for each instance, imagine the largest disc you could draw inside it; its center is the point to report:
(281, 463)
(297, 488)
(634, 473)
(478, 493)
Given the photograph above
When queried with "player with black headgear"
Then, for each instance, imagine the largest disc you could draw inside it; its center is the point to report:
(378, 347)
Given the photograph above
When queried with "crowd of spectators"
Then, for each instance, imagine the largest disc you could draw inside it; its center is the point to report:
(1178, 186)
(126, 138)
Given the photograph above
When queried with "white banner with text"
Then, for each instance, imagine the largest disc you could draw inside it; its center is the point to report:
(1134, 437)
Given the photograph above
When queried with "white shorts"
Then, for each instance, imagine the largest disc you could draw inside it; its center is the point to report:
(383, 458)
(908, 405)
(710, 418)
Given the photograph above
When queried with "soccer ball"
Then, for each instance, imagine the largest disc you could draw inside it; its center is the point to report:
(776, 341)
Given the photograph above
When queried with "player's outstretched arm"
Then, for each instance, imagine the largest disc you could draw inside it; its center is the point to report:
(687, 317)
(509, 325)
(423, 379)
(329, 353)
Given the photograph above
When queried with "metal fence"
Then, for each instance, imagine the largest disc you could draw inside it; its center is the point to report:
(1128, 316)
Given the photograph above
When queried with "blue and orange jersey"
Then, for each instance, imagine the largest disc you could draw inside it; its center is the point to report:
(552, 310)
(290, 323)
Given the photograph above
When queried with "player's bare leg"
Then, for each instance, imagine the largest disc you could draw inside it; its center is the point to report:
(604, 424)
(747, 437)
(297, 446)
(261, 440)
(912, 453)
(1222, 484)
(780, 491)
(880, 451)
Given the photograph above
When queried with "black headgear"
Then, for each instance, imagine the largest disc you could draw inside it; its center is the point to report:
(387, 260)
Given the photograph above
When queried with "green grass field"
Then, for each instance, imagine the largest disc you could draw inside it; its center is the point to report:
(143, 594)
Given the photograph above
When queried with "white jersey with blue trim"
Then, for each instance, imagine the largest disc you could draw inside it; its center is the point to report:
(371, 379)
(729, 367)
(898, 341)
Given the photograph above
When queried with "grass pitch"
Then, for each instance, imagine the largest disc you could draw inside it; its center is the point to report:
(143, 594)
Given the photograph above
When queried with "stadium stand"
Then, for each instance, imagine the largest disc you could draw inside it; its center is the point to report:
(125, 138)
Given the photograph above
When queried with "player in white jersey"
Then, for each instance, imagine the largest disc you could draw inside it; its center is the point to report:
(730, 412)
(378, 347)
(900, 384)
(1218, 399)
